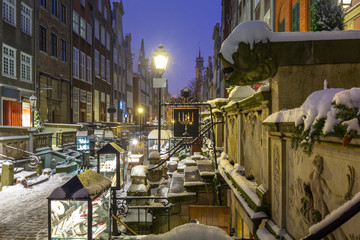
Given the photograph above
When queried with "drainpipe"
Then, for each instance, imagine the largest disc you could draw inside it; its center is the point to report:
(273, 15)
(71, 60)
(251, 10)
(35, 52)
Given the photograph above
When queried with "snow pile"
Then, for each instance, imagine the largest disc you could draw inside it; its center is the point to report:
(324, 104)
(264, 234)
(139, 171)
(192, 231)
(138, 188)
(250, 32)
(217, 102)
(241, 92)
(335, 214)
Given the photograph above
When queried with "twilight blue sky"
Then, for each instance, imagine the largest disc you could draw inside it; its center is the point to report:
(180, 25)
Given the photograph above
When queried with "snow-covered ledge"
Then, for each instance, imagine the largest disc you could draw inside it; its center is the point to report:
(244, 190)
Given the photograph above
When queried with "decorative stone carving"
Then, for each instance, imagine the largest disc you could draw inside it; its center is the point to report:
(314, 207)
(277, 182)
(250, 65)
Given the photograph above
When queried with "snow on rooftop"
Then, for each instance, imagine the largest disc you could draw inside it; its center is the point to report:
(319, 105)
(192, 231)
(252, 32)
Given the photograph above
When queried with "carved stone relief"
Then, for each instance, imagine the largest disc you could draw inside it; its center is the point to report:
(316, 190)
(277, 182)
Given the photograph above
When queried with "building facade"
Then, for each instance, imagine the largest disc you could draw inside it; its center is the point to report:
(18, 60)
(103, 62)
(119, 63)
(82, 58)
(352, 15)
(53, 60)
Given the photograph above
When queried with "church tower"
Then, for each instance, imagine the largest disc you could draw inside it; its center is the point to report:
(199, 76)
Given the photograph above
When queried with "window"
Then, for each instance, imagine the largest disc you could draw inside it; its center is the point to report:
(88, 69)
(63, 50)
(88, 107)
(63, 14)
(102, 35)
(76, 22)
(53, 45)
(97, 64)
(108, 71)
(89, 33)
(43, 3)
(82, 28)
(311, 13)
(99, 5)
(54, 7)
(82, 66)
(108, 41)
(9, 11)
(296, 17)
(42, 38)
(103, 67)
(96, 29)
(26, 19)
(25, 68)
(282, 26)
(115, 56)
(115, 81)
(9, 61)
(105, 12)
(75, 104)
(76, 62)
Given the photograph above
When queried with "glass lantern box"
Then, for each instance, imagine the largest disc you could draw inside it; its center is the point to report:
(80, 209)
(111, 164)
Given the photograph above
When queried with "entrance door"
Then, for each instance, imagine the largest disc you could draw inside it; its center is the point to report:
(11, 113)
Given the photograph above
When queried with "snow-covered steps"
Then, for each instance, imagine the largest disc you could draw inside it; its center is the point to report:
(24, 175)
(38, 180)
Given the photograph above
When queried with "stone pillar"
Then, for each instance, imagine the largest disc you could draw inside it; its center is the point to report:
(7, 175)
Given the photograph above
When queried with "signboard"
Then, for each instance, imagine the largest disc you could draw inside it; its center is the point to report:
(186, 122)
(159, 82)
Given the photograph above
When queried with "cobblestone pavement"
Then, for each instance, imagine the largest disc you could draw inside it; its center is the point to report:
(23, 212)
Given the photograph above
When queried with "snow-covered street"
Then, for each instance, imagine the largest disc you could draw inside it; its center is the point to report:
(23, 211)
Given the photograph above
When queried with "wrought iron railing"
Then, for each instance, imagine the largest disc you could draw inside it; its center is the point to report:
(123, 207)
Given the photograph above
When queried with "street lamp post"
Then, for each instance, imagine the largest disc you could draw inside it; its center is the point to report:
(140, 110)
(160, 59)
(33, 101)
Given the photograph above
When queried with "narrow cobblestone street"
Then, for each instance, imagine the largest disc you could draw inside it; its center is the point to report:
(23, 211)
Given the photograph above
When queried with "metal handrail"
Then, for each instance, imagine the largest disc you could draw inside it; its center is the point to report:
(121, 207)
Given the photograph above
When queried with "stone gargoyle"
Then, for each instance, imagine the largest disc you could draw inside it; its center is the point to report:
(251, 65)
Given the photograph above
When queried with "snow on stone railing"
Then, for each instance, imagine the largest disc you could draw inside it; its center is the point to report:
(245, 187)
(328, 112)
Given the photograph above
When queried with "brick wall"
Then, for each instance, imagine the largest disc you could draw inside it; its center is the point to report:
(284, 10)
